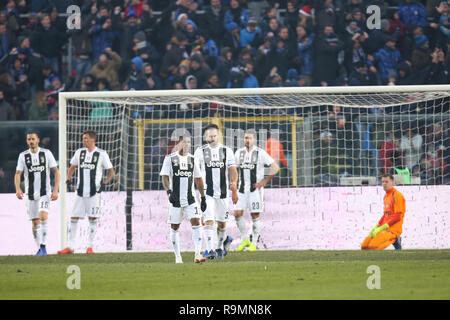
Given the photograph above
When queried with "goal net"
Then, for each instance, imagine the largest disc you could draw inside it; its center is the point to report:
(320, 137)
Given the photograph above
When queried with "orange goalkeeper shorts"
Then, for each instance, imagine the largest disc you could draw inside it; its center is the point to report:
(381, 241)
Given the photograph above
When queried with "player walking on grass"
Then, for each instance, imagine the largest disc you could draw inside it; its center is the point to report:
(36, 163)
(217, 166)
(90, 161)
(179, 171)
(389, 228)
(251, 161)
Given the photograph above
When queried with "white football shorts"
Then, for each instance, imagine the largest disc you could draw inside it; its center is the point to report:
(35, 206)
(176, 215)
(89, 206)
(253, 201)
(216, 209)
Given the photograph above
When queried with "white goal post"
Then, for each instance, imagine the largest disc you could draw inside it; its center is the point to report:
(332, 136)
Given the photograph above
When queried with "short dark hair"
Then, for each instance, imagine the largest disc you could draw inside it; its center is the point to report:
(32, 131)
(91, 133)
(250, 131)
(212, 126)
(388, 175)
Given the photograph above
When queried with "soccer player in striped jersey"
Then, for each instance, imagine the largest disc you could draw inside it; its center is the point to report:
(251, 161)
(91, 162)
(36, 164)
(179, 171)
(218, 166)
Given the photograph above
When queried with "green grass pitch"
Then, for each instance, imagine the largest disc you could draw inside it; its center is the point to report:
(261, 275)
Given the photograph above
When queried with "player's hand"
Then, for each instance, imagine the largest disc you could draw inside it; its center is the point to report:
(379, 229)
(259, 185)
(203, 204)
(102, 187)
(234, 197)
(233, 187)
(19, 195)
(54, 196)
(172, 198)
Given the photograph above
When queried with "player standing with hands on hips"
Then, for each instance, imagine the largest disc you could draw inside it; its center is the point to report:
(179, 171)
(251, 161)
(217, 165)
(36, 163)
(389, 228)
(90, 161)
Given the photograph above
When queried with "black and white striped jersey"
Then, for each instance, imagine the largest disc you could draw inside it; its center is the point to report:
(36, 171)
(214, 164)
(181, 171)
(251, 167)
(90, 170)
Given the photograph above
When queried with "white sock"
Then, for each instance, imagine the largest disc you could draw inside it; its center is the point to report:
(44, 232)
(92, 232)
(242, 227)
(209, 237)
(255, 233)
(197, 238)
(221, 234)
(175, 239)
(37, 234)
(72, 233)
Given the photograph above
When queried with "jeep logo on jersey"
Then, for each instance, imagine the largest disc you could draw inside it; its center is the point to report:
(182, 173)
(89, 166)
(215, 164)
(250, 166)
(37, 169)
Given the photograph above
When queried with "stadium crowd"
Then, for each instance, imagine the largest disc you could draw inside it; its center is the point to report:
(124, 45)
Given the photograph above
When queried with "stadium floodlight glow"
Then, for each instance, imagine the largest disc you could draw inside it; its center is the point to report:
(329, 136)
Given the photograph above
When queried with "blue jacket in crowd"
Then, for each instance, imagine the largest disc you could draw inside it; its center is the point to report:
(387, 59)
(412, 13)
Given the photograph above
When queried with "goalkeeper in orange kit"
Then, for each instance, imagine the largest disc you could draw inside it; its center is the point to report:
(389, 228)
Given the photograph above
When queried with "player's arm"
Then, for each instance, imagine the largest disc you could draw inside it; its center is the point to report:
(233, 174)
(274, 168)
(70, 172)
(19, 192)
(166, 183)
(57, 176)
(111, 174)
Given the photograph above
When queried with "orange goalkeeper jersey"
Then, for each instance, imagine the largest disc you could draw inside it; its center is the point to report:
(394, 211)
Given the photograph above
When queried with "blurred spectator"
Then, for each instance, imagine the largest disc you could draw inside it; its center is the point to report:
(6, 41)
(152, 80)
(103, 36)
(328, 46)
(411, 145)
(232, 39)
(82, 49)
(386, 59)
(291, 15)
(433, 164)
(387, 148)
(108, 68)
(136, 79)
(213, 82)
(305, 43)
(39, 108)
(292, 78)
(173, 56)
(236, 14)
(250, 81)
(412, 12)
(102, 110)
(274, 79)
(49, 50)
(326, 16)
(88, 83)
(213, 21)
(276, 150)
(439, 70)
(250, 36)
(224, 66)
(6, 110)
(199, 69)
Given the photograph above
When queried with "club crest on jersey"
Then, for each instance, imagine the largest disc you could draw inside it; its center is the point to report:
(94, 159)
(215, 164)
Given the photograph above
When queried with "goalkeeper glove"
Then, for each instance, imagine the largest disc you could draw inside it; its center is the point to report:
(372, 231)
(172, 198)
(203, 204)
(379, 229)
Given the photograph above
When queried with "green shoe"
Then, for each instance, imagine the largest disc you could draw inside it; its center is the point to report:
(252, 247)
(244, 244)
